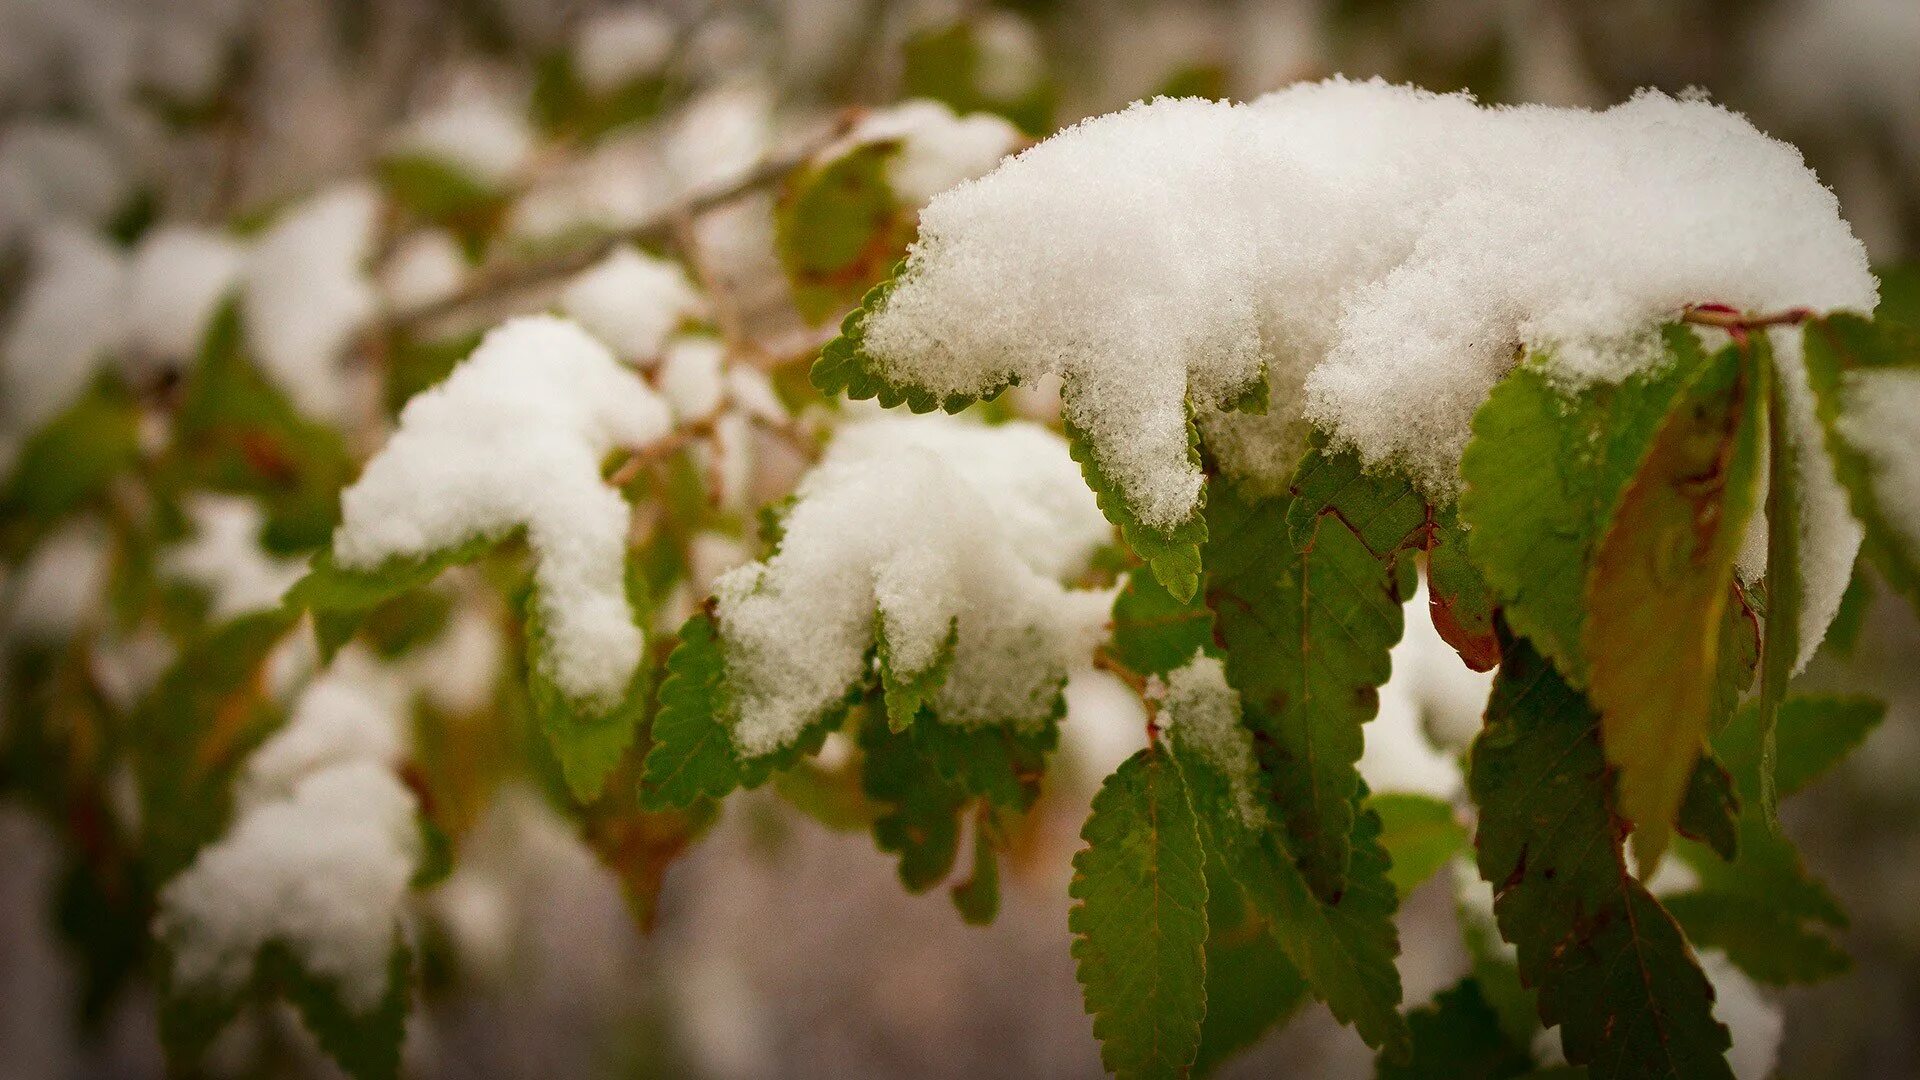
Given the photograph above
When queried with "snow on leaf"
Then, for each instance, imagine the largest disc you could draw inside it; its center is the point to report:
(1659, 586)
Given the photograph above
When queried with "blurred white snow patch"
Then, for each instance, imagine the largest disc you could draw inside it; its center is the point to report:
(306, 293)
(67, 323)
(426, 266)
(633, 302)
(224, 556)
(179, 276)
(1106, 723)
(61, 585)
(477, 134)
(620, 46)
(936, 148)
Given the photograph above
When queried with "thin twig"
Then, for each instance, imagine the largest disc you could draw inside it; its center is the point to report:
(1727, 318)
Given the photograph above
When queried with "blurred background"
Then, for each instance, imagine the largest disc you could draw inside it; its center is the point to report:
(781, 946)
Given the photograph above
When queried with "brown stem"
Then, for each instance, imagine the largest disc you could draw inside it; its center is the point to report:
(1728, 319)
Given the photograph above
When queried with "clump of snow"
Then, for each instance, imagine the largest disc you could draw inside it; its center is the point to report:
(178, 278)
(634, 302)
(1203, 714)
(67, 323)
(225, 558)
(476, 134)
(60, 585)
(933, 522)
(937, 149)
(426, 266)
(1010, 63)
(693, 377)
(514, 438)
(1880, 416)
(458, 672)
(619, 47)
(306, 293)
(319, 857)
(618, 184)
(718, 138)
(1387, 249)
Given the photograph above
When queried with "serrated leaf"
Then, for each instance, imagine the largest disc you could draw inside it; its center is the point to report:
(1812, 734)
(906, 694)
(588, 738)
(1172, 555)
(1307, 610)
(1140, 922)
(1657, 592)
(1540, 479)
(1459, 601)
(844, 367)
(1845, 355)
(1152, 632)
(1459, 1036)
(1251, 985)
(193, 731)
(691, 755)
(1420, 834)
(340, 598)
(1609, 964)
(1344, 950)
(839, 228)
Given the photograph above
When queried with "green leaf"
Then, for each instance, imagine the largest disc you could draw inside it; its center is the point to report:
(1812, 734)
(1786, 588)
(1344, 950)
(1657, 593)
(1846, 357)
(845, 367)
(1140, 920)
(1172, 555)
(589, 739)
(1609, 964)
(1541, 477)
(71, 460)
(839, 228)
(192, 733)
(1459, 1036)
(1420, 834)
(907, 694)
(1152, 632)
(946, 63)
(1307, 610)
(1251, 985)
(340, 598)
(1710, 811)
(1459, 600)
(436, 189)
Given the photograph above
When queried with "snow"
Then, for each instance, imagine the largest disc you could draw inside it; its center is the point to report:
(307, 292)
(1384, 248)
(1203, 714)
(65, 326)
(933, 522)
(458, 672)
(633, 302)
(60, 586)
(692, 376)
(1010, 63)
(320, 855)
(1880, 416)
(476, 134)
(718, 138)
(515, 437)
(937, 149)
(225, 558)
(616, 48)
(426, 267)
(179, 276)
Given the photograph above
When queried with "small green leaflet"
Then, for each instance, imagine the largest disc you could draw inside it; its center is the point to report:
(588, 739)
(1847, 356)
(69, 461)
(1540, 480)
(839, 228)
(1459, 601)
(1152, 632)
(1140, 919)
(1459, 1036)
(1172, 555)
(908, 694)
(366, 1046)
(1609, 964)
(1420, 834)
(1307, 609)
(978, 898)
(1657, 591)
(1771, 917)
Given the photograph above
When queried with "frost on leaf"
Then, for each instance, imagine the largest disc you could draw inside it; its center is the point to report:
(514, 439)
(1371, 252)
(948, 540)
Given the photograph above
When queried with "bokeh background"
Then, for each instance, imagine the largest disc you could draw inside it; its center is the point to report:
(782, 947)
